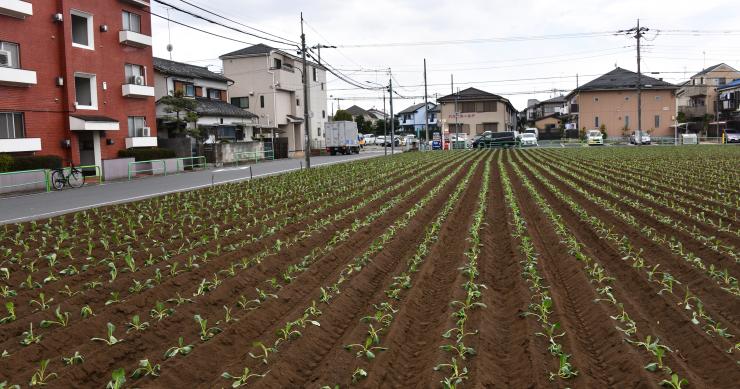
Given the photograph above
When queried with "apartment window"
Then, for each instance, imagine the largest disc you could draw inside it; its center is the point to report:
(315, 75)
(297, 101)
(189, 90)
(131, 22)
(86, 93)
(721, 81)
(277, 63)
(318, 131)
(214, 94)
(136, 126)
(490, 106)
(12, 125)
(596, 122)
(323, 116)
(467, 107)
(493, 127)
(10, 55)
(133, 72)
(262, 101)
(322, 86)
(241, 102)
(627, 121)
(82, 30)
(702, 81)
(657, 121)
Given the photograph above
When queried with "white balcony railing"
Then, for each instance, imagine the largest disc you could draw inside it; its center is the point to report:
(17, 77)
(137, 91)
(134, 39)
(16, 8)
(141, 141)
(20, 145)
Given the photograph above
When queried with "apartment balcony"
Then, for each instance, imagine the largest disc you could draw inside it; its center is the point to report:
(138, 3)
(134, 39)
(16, 8)
(17, 77)
(694, 90)
(694, 112)
(141, 141)
(137, 91)
(20, 145)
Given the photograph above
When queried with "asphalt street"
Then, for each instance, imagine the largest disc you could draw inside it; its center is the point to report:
(43, 205)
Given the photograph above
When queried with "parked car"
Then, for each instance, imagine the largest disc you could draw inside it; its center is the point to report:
(594, 138)
(528, 139)
(379, 140)
(369, 139)
(396, 141)
(534, 131)
(732, 135)
(491, 139)
(645, 138)
(408, 139)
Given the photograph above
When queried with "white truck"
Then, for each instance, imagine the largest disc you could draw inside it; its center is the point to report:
(342, 138)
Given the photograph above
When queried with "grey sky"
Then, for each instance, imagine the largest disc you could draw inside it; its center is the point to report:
(355, 22)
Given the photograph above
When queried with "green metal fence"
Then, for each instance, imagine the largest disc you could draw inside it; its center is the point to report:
(85, 169)
(46, 181)
(193, 163)
(254, 155)
(153, 170)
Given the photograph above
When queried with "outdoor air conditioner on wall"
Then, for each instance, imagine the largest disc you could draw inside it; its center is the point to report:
(138, 80)
(146, 132)
(5, 58)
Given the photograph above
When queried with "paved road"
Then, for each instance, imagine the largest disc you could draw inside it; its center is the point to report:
(44, 205)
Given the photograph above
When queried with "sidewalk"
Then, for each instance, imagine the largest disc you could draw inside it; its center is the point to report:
(43, 205)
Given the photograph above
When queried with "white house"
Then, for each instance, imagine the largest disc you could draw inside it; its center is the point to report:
(411, 119)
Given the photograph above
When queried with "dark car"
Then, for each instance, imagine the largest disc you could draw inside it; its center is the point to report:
(491, 139)
(732, 135)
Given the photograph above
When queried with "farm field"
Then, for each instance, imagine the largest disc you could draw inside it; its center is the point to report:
(580, 268)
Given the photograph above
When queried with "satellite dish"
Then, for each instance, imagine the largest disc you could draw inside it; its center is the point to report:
(169, 47)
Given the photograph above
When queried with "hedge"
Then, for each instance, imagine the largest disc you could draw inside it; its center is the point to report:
(9, 163)
(147, 154)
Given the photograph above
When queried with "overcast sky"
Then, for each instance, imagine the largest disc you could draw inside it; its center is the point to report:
(379, 34)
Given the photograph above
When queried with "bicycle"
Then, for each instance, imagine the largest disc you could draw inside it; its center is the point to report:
(74, 178)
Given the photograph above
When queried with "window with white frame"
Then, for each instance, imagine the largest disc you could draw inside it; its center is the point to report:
(12, 125)
(214, 94)
(134, 74)
(86, 93)
(10, 55)
(131, 22)
(136, 126)
(82, 30)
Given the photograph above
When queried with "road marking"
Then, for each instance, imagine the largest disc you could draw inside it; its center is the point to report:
(163, 193)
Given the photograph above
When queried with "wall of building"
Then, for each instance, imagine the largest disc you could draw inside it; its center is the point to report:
(613, 107)
(470, 121)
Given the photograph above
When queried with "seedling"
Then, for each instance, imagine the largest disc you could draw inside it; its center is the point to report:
(180, 349)
(179, 300)
(266, 351)
(565, 371)
(457, 374)
(205, 332)
(160, 312)
(286, 333)
(86, 312)
(242, 379)
(76, 359)
(29, 338)
(115, 297)
(62, 320)
(460, 348)
(711, 329)
(40, 377)
(146, 369)
(118, 379)
(358, 375)
(10, 307)
(42, 302)
(110, 340)
(136, 324)
(228, 318)
(365, 350)
(675, 382)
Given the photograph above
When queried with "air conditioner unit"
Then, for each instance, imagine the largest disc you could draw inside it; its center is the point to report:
(5, 60)
(146, 132)
(138, 80)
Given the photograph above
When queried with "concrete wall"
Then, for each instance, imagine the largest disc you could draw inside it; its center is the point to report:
(225, 153)
(116, 169)
(10, 183)
(613, 107)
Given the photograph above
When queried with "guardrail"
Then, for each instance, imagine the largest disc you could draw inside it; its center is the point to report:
(254, 155)
(152, 170)
(46, 181)
(97, 177)
(195, 163)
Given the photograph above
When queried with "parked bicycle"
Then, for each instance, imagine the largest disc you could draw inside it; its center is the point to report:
(71, 176)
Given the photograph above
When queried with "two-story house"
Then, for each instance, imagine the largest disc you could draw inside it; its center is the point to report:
(412, 118)
(729, 101)
(473, 111)
(698, 96)
(222, 120)
(546, 114)
(270, 82)
(611, 101)
(356, 111)
(75, 78)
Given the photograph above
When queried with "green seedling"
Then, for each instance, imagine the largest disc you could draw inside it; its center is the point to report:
(565, 370)
(110, 340)
(205, 332)
(228, 318)
(76, 359)
(62, 319)
(180, 349)
(675, 382)
(146, 369)
(179, 300)
(241, 380)
(10, 307)
(712, 329)
(160, 312)
(118, 378)
(358, 375)
(457, 374)
(136, 324)
(266, 351)
(115, 297)
(366, 350)
(39, 377)
(86, 312)
(286, 333)
(459, 348)
(42, 302)
(29, 337)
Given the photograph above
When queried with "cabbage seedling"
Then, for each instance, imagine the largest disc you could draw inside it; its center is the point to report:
(146, 369)
(115, 297)
(181, 349)
(242, 379)
(460, 348)
(675, 382)
(266, 351)
(62, 319)
(160, 312)
(286, 333)
(205, 332)
(29, 338)
(358, 374)
(179, 300)
(76, 359)
(457, 376)
(110, 340)
(86, 312)
(40, 377)
(136, 324)
(365, 350)
(118, 379)
(42, 302)
(10, 307)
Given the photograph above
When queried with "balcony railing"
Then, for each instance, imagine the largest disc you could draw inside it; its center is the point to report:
(17, 77)
(141, 141)
(134, 39)
(137, 91)
(694, 112)
(16, 8)
(19, 145)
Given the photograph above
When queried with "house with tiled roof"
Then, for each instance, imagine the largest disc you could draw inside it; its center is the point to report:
(697, 97)
(610, 101)
(473, 111)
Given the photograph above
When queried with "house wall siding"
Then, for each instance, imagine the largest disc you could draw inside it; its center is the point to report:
(612, 108)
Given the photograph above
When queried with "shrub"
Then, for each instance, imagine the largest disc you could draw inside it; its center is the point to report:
(147, 154)
(36, 162)
(6, 163)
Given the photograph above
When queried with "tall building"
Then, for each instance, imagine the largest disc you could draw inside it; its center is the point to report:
(75, 78)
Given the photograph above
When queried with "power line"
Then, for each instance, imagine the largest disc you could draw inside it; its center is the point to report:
(483, 40)
(200, 30)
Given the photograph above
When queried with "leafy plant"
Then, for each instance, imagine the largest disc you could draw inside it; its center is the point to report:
(110, 340)
(62, 319)
(136, 324)
(242, 379)
(160, 312)
(29, 337)
(40, 377)
(10, 307)
(76, 359)
(181, 349)
(146, 368)
(205, 332)
(118, 378)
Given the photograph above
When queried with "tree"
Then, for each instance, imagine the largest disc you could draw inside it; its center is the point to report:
(179, 105)
(360, 120)
(342, 115)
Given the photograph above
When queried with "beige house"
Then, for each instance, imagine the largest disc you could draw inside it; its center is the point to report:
(473, 111)
(611, 101)
(268, 82)
(698, 96)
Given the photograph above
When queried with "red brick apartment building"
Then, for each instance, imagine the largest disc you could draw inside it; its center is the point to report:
(76, 78)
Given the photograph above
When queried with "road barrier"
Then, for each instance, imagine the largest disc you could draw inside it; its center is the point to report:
(85, 169)
(254, 155)
(194, 163)
(12, 176)
(153, 170)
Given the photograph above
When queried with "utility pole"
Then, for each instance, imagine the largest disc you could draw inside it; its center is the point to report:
(639, 33)
(385, 125)
(319, 47)
(426, 105)
(306, 118)
(457, 125)
(393, 121)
